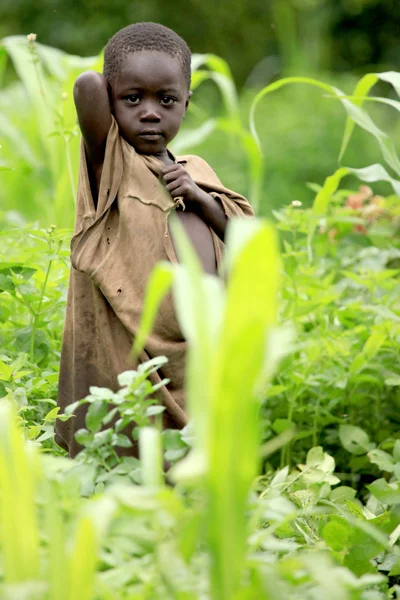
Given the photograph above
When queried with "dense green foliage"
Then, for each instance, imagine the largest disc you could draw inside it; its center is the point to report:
(270, 37)
(286, 483)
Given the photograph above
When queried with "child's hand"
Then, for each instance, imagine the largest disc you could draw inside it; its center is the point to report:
(179, 183)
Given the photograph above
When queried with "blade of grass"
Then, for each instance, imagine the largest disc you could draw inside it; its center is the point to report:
(361, 90)
(233, 448)
(356, 113)
(158, 286)
(19, 474)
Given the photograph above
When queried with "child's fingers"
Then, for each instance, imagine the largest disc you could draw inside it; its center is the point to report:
(168, 177)
(174, 185)
(171, 169)
(179, 191)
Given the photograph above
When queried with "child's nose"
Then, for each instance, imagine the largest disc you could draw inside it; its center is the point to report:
(150, 112)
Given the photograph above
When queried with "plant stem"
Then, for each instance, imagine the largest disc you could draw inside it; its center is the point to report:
(37, 314)
(70, 170)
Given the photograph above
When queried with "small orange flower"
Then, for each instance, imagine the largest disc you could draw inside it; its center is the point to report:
(359, 228)
(374, 209)
(332, 234)
(356, 201)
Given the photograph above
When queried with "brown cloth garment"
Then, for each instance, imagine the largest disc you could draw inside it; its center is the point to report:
(113, 251)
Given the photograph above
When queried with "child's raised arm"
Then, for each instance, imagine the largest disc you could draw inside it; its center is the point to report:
(94, 116)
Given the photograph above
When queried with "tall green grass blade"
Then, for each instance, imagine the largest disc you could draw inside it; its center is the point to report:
(256, 168)
(363, 120)
(388, 101)
(356, 113)
(150, 456)
(189, 138)
(19, 474)
(392, 77)
(374, 173)
(30, 71)
(360, 94)
(220, 73)
(3, 63)
(56, 532)
(251, 309)
(369, 174)
(276, 85)
(159, 283)
(254, 158)
(198, 77)
(198, 300)
(361, 91)
(322, 199)
(83, 561)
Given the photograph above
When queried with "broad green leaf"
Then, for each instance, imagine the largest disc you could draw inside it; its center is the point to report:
(83, 437)
(5, 371)
(94, 416)
(337, 534)
(396, 451)
(354, 439)
(382, 459)
(342, 493)
(385, 493)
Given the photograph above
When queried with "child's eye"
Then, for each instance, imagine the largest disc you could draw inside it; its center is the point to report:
(167, 100)
(132, 99)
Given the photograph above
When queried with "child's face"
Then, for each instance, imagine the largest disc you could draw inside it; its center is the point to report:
(149, 100)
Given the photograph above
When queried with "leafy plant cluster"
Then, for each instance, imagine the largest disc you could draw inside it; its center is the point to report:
(341, 291)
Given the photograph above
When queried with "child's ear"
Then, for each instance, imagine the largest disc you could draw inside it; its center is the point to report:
(190, 94)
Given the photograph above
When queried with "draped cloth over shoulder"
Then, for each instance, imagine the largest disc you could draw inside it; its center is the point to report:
(115, 246)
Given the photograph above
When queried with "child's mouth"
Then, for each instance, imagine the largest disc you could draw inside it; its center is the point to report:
(150, 134)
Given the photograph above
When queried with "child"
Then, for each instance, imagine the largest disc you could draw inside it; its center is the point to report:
(129, 183)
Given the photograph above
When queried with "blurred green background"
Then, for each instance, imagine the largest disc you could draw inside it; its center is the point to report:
(336, 35)
(336, 41)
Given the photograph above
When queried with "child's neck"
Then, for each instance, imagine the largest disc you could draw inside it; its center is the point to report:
(165, 156)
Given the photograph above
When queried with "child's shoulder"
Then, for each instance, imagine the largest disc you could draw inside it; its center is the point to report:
(198, 168)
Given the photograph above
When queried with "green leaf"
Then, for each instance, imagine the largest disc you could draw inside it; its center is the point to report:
(151, 411)
(354, 439)
(382, 459)
(376, 172)
(322, 199)
(150, 456)
(337, 534)
(281, 425)
(121, 440)
(84, 437)
(361, 90)
(385, 493)
(396, 451)
(5, 371)
(342, 493)
(95, 415)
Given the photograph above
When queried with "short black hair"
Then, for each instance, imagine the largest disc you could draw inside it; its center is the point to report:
(145, 36)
